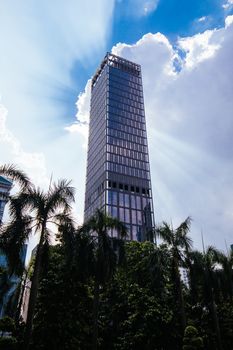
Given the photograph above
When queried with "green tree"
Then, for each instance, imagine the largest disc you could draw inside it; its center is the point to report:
(62, 319)
(7, 326)
(14, 234)
(105, 256)
(204, 270)
(191, 340)
(136, 307)
(180, 244)
(52, 206)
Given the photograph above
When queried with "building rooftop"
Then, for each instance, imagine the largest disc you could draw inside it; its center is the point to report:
(117, 62)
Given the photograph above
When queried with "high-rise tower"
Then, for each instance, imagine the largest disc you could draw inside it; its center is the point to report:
(118, 172)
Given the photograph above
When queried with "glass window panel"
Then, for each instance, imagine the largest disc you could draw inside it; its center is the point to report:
(128, 227)
(114, 198)
(127, 217)
(138, 200)
(134, 233)
(133, 202)
(139, 233)
(121, 199)
(121, 214)
(139, 217)
(108, 209)
(134, 218)
(114, 212)
(109, 197)
(144, 202)
(126, 200)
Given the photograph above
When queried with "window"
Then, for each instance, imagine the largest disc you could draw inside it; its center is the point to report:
(138, 202)
(127, 217)
(126, 200)
(134, 218)
(134, 233)
(121, 199)
(133, 202)
(144, 203)
(114, 198)
(114, 212)
(139, 217)
(121, 214)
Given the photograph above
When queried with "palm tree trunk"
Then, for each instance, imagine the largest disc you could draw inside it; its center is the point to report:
(213, 311)
(18, 311)
(33, 292)
(95, 314)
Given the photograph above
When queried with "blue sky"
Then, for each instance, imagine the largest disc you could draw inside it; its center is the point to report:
(49, 50)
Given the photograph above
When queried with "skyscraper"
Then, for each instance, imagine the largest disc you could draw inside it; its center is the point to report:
(5, 186)
(118, 173)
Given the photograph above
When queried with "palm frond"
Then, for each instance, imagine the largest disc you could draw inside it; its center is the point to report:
(60, 195)
(12, 239)
(165, 233)
(12, 172)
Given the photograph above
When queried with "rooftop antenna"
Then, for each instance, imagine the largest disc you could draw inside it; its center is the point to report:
(171, 224)
(50, 181)
(202, 239)
(227, 250)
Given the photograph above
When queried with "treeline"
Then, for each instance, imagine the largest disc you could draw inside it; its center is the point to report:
(139, 299)
(94, 292)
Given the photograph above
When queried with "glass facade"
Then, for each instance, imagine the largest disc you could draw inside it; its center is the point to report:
(118, 172)
(5, 186)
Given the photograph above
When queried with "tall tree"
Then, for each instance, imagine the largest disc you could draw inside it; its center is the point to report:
(14, 234)
(105, 256)
(51, 207)
(205, 272)
(46, 207)
(180, 244)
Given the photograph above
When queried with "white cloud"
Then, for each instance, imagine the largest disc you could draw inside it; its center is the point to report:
(33, 163)
(229, 21)
(190, 127)
(139, 8)
(228, 4)
(149, 6)
(43, 48)
(199, 47)
(202, 19)
(83, 110)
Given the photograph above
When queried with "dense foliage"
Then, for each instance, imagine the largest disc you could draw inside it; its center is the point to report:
(93, 292)
(138, 305)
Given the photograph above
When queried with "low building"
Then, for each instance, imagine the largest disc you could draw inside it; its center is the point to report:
(5, 187)
(9, 285)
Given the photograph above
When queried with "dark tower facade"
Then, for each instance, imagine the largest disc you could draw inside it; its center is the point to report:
(118, 172)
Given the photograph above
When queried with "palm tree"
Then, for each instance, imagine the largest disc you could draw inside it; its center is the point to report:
(46, 208)
(226, 273)
(14, 234)
(180, 244)
(205, 272)
(105, 257)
